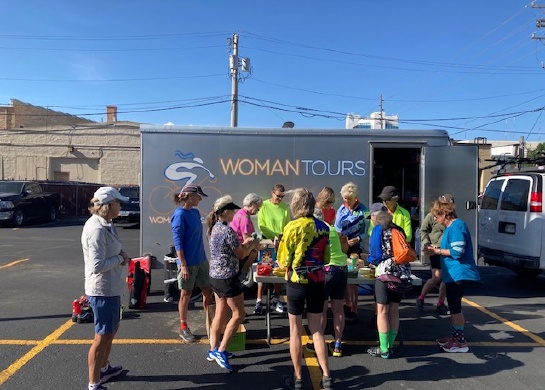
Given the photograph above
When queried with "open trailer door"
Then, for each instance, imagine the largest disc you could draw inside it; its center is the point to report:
(454, 170)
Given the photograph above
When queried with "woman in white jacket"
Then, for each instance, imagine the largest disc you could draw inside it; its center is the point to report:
(105, 273)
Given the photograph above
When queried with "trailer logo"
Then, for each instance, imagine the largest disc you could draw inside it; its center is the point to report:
(305, 167)
(182, 170)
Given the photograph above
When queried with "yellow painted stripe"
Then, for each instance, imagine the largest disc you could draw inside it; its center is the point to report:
(19, 342)
(314, 370)
(505, 321)
(8, 372)
(264, 342)
(13, 263)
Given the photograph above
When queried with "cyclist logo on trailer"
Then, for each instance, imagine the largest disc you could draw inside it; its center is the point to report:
(182, 170)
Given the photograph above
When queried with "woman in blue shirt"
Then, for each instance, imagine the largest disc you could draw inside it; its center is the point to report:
(351, 222)
(458, 268)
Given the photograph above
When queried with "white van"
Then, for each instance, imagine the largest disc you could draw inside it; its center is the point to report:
(511, 222)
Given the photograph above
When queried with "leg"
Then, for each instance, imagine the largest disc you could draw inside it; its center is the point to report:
(236, 304)
(296, 330)
(183, 304)
(323, 320)
(258, 299)
(207, 297)
(338, 318)
(383, 312)
(393, 320)
(98, 355)
(442, 292)
(314, 320)
(219, 315)
(353, 293)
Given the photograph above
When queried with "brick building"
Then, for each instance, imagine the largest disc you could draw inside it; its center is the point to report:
(41, 144)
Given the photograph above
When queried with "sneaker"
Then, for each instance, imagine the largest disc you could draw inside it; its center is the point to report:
(420, 305)
(97, 387)
(109, 373)
(289, 383)
(377, 352)
(453, 345)
(258, 307)
(280, 307)
(443, 340)
(222, 360)
(170, 300)
(310, 348)
(327, 383)
(210, 356)
(442, 309)
(335, 351)
(85, 317)
(187, 336)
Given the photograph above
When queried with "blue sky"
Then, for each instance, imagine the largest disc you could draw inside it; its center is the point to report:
(470, 67)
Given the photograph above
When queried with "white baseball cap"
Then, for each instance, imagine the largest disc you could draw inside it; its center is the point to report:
(105, 195)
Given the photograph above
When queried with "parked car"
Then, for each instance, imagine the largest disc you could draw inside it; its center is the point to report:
(130, 211)
(511, 222)
(25, 200)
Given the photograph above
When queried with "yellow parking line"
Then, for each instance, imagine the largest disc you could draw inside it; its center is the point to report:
(505, 321)
(12, 369)
(13, 263)
(279, 341)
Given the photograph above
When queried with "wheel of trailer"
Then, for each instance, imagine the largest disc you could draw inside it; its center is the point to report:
(52, 214)
(18, 217)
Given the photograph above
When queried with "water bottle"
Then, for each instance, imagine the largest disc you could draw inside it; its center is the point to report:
(76, 309)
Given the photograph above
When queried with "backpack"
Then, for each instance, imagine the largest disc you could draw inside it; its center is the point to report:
(139, 281)
(403, 253)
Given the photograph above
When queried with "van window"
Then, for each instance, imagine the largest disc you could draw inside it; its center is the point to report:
(515, 195)
(492, 195)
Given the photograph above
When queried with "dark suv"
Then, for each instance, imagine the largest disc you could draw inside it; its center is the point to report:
(130, 211)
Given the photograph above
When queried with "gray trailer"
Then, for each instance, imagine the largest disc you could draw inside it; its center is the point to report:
(422, 164)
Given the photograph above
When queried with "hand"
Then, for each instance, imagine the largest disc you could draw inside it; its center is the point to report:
(430, 250)
(126, 258)
(184, 272)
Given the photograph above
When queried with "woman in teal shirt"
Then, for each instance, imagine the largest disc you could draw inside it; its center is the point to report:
(458, 268)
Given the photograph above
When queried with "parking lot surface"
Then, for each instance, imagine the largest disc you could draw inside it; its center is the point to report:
(41, 272)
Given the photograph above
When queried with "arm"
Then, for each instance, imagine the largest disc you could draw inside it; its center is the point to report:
(97, 253)
(407, 228)
(425, 230)
(344, 242)
(177, 236)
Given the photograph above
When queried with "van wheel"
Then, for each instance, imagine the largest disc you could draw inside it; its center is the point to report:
(527, 273)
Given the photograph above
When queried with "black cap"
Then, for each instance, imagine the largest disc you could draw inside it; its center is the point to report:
(388, 193)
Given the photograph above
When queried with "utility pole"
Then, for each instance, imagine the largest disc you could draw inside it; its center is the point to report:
(540, 23)
(381, 118)
(235, 79)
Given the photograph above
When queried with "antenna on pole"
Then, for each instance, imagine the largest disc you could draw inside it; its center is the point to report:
(234, 64)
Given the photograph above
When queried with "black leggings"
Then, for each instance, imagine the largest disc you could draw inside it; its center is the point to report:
(455, 292)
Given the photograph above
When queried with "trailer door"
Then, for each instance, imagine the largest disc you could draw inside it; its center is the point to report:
(454, 170)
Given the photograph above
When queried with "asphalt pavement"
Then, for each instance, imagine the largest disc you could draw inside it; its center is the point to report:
(41, 272)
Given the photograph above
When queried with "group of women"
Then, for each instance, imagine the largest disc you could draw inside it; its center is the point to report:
(314, 253)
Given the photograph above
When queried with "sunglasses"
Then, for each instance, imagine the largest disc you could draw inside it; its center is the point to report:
(279, 196)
